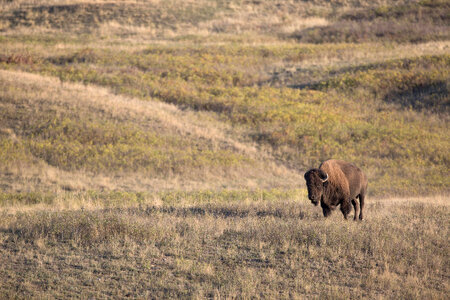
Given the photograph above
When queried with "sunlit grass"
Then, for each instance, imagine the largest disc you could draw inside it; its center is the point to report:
(254, 247)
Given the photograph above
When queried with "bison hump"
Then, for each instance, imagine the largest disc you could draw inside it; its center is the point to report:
(337, 178)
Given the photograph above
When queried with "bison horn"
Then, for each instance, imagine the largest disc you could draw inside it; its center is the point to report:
(324, 178)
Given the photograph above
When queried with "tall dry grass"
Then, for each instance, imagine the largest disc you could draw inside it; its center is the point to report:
(221, 248)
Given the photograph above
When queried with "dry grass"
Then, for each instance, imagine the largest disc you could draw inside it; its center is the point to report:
(417, 21)
(175, 18)
(265, 249)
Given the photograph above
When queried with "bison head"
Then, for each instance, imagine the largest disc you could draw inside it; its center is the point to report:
(315, 181)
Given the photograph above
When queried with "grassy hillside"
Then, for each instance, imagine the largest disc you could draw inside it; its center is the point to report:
(299, 124)
(157, 148)
(82, 133)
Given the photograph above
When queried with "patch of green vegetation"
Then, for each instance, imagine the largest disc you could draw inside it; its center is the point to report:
(76, 140)
(113, 198)
(31, 198)
(118, 199)
(228, 196)
(100, 146)
(13, 152)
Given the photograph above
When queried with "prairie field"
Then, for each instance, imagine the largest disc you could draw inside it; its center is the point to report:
(222, 245)
(156, 149)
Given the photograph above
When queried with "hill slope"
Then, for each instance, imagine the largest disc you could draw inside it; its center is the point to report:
(383, 106)
(80, 137)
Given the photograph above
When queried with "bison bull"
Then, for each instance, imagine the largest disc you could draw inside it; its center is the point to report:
(337, 182)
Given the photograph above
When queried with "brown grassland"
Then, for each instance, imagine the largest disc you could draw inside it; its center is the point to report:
(156, 149)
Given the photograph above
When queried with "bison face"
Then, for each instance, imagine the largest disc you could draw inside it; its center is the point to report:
(315, 180)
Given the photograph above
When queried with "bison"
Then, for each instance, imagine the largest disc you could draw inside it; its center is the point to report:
(334, 183)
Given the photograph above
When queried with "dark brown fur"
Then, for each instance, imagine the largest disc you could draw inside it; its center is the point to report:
(346, 184)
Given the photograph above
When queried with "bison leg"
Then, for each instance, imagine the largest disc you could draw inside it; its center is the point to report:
(325, 209)
(355, 207)
(346, 207)
(361, 201)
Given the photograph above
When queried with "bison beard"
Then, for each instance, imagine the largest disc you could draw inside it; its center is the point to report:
(337, 182)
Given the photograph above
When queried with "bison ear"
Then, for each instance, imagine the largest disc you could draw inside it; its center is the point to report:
(323, 175)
